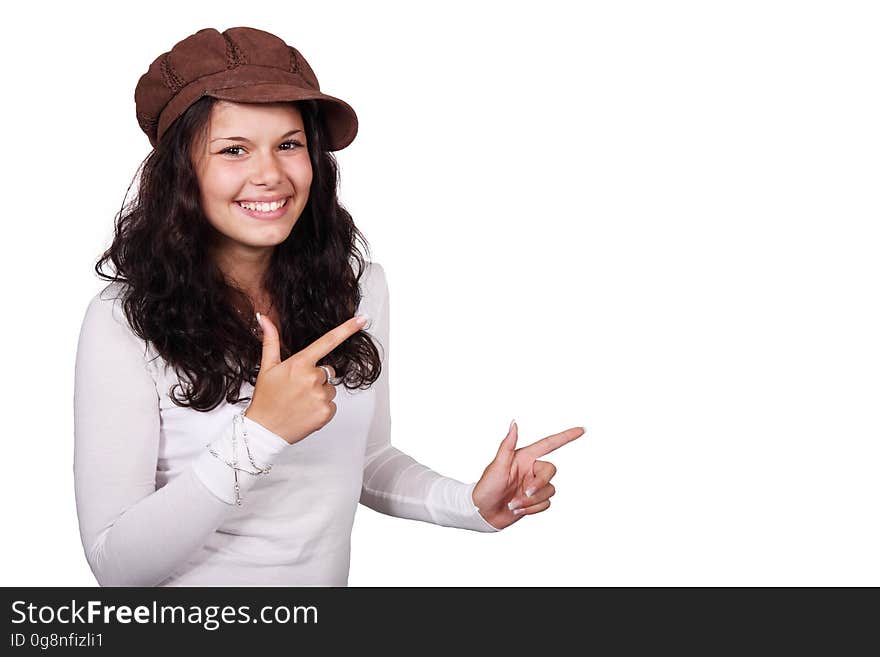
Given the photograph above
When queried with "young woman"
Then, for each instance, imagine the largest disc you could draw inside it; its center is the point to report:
(231, 390)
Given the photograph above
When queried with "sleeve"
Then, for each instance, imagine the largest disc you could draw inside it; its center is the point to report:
(133, 534)
(394, 483)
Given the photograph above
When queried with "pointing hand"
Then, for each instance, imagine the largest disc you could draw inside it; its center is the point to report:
(514, 473)
(294, 398)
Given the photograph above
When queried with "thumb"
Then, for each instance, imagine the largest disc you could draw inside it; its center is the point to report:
(271, 344)
(508, 445)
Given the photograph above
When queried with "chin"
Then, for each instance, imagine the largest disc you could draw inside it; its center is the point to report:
(271, 237)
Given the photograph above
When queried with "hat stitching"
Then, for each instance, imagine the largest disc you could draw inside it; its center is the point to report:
(234, 56)
(294, 61)
(173, 81)
(148, 123)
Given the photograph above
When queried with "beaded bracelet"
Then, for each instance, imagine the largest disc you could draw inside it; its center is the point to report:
(239, 419)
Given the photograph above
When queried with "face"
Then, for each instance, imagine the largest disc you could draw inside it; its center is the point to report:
(254, 153)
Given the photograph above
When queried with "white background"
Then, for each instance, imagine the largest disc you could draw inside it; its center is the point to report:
(655, 220)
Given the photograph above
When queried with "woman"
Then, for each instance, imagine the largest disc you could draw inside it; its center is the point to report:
(214, 442)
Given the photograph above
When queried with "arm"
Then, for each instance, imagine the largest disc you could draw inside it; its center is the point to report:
(133, 534)
(394, 483)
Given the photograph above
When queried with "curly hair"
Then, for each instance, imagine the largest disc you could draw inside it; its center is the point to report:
(176, 297)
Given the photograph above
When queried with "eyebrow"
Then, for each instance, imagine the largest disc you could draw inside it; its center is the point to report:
(285, 135)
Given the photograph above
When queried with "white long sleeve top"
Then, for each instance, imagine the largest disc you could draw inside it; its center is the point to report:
(156, 508)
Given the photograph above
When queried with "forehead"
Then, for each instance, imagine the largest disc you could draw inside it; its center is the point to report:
(226, 114)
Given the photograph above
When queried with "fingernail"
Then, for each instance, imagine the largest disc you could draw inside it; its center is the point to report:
(510, 428)
(530, 491)
(518, 511)
(361, 319)
(258, 320)
(514, 504)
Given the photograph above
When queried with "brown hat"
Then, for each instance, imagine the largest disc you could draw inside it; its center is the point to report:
(242, 64)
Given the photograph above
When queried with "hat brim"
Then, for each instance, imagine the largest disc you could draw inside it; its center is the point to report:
(339, 117)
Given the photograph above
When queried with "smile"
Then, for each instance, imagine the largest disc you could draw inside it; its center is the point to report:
(264, 211)
(263, 207)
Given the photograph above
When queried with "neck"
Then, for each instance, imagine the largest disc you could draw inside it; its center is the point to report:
(245, 268)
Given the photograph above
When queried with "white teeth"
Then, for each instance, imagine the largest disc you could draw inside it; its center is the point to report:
(263, 207)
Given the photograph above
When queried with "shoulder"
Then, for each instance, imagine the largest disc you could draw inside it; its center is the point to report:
(106, 306)
(105, 320)
(374, 290)
(373, 280)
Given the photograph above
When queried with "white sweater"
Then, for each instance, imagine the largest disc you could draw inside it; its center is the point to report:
(156, 508)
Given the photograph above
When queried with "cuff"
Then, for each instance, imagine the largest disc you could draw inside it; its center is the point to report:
(451, 504)
(218, 477)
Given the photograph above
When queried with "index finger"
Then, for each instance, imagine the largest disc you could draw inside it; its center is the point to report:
(332, 339)
(548, 444)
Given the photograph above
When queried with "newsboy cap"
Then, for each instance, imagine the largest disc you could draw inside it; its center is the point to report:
(241, 64)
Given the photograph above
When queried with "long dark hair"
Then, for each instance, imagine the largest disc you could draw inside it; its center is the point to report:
(176, 297)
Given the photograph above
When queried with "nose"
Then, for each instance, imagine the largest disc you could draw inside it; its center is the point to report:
(267, 170)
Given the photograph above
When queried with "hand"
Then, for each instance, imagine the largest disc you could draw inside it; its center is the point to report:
(292, 398)
(514, 473)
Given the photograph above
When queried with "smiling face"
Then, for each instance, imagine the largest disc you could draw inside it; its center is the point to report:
(252, 153)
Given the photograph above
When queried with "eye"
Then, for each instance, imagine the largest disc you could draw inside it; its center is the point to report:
(294, 145)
